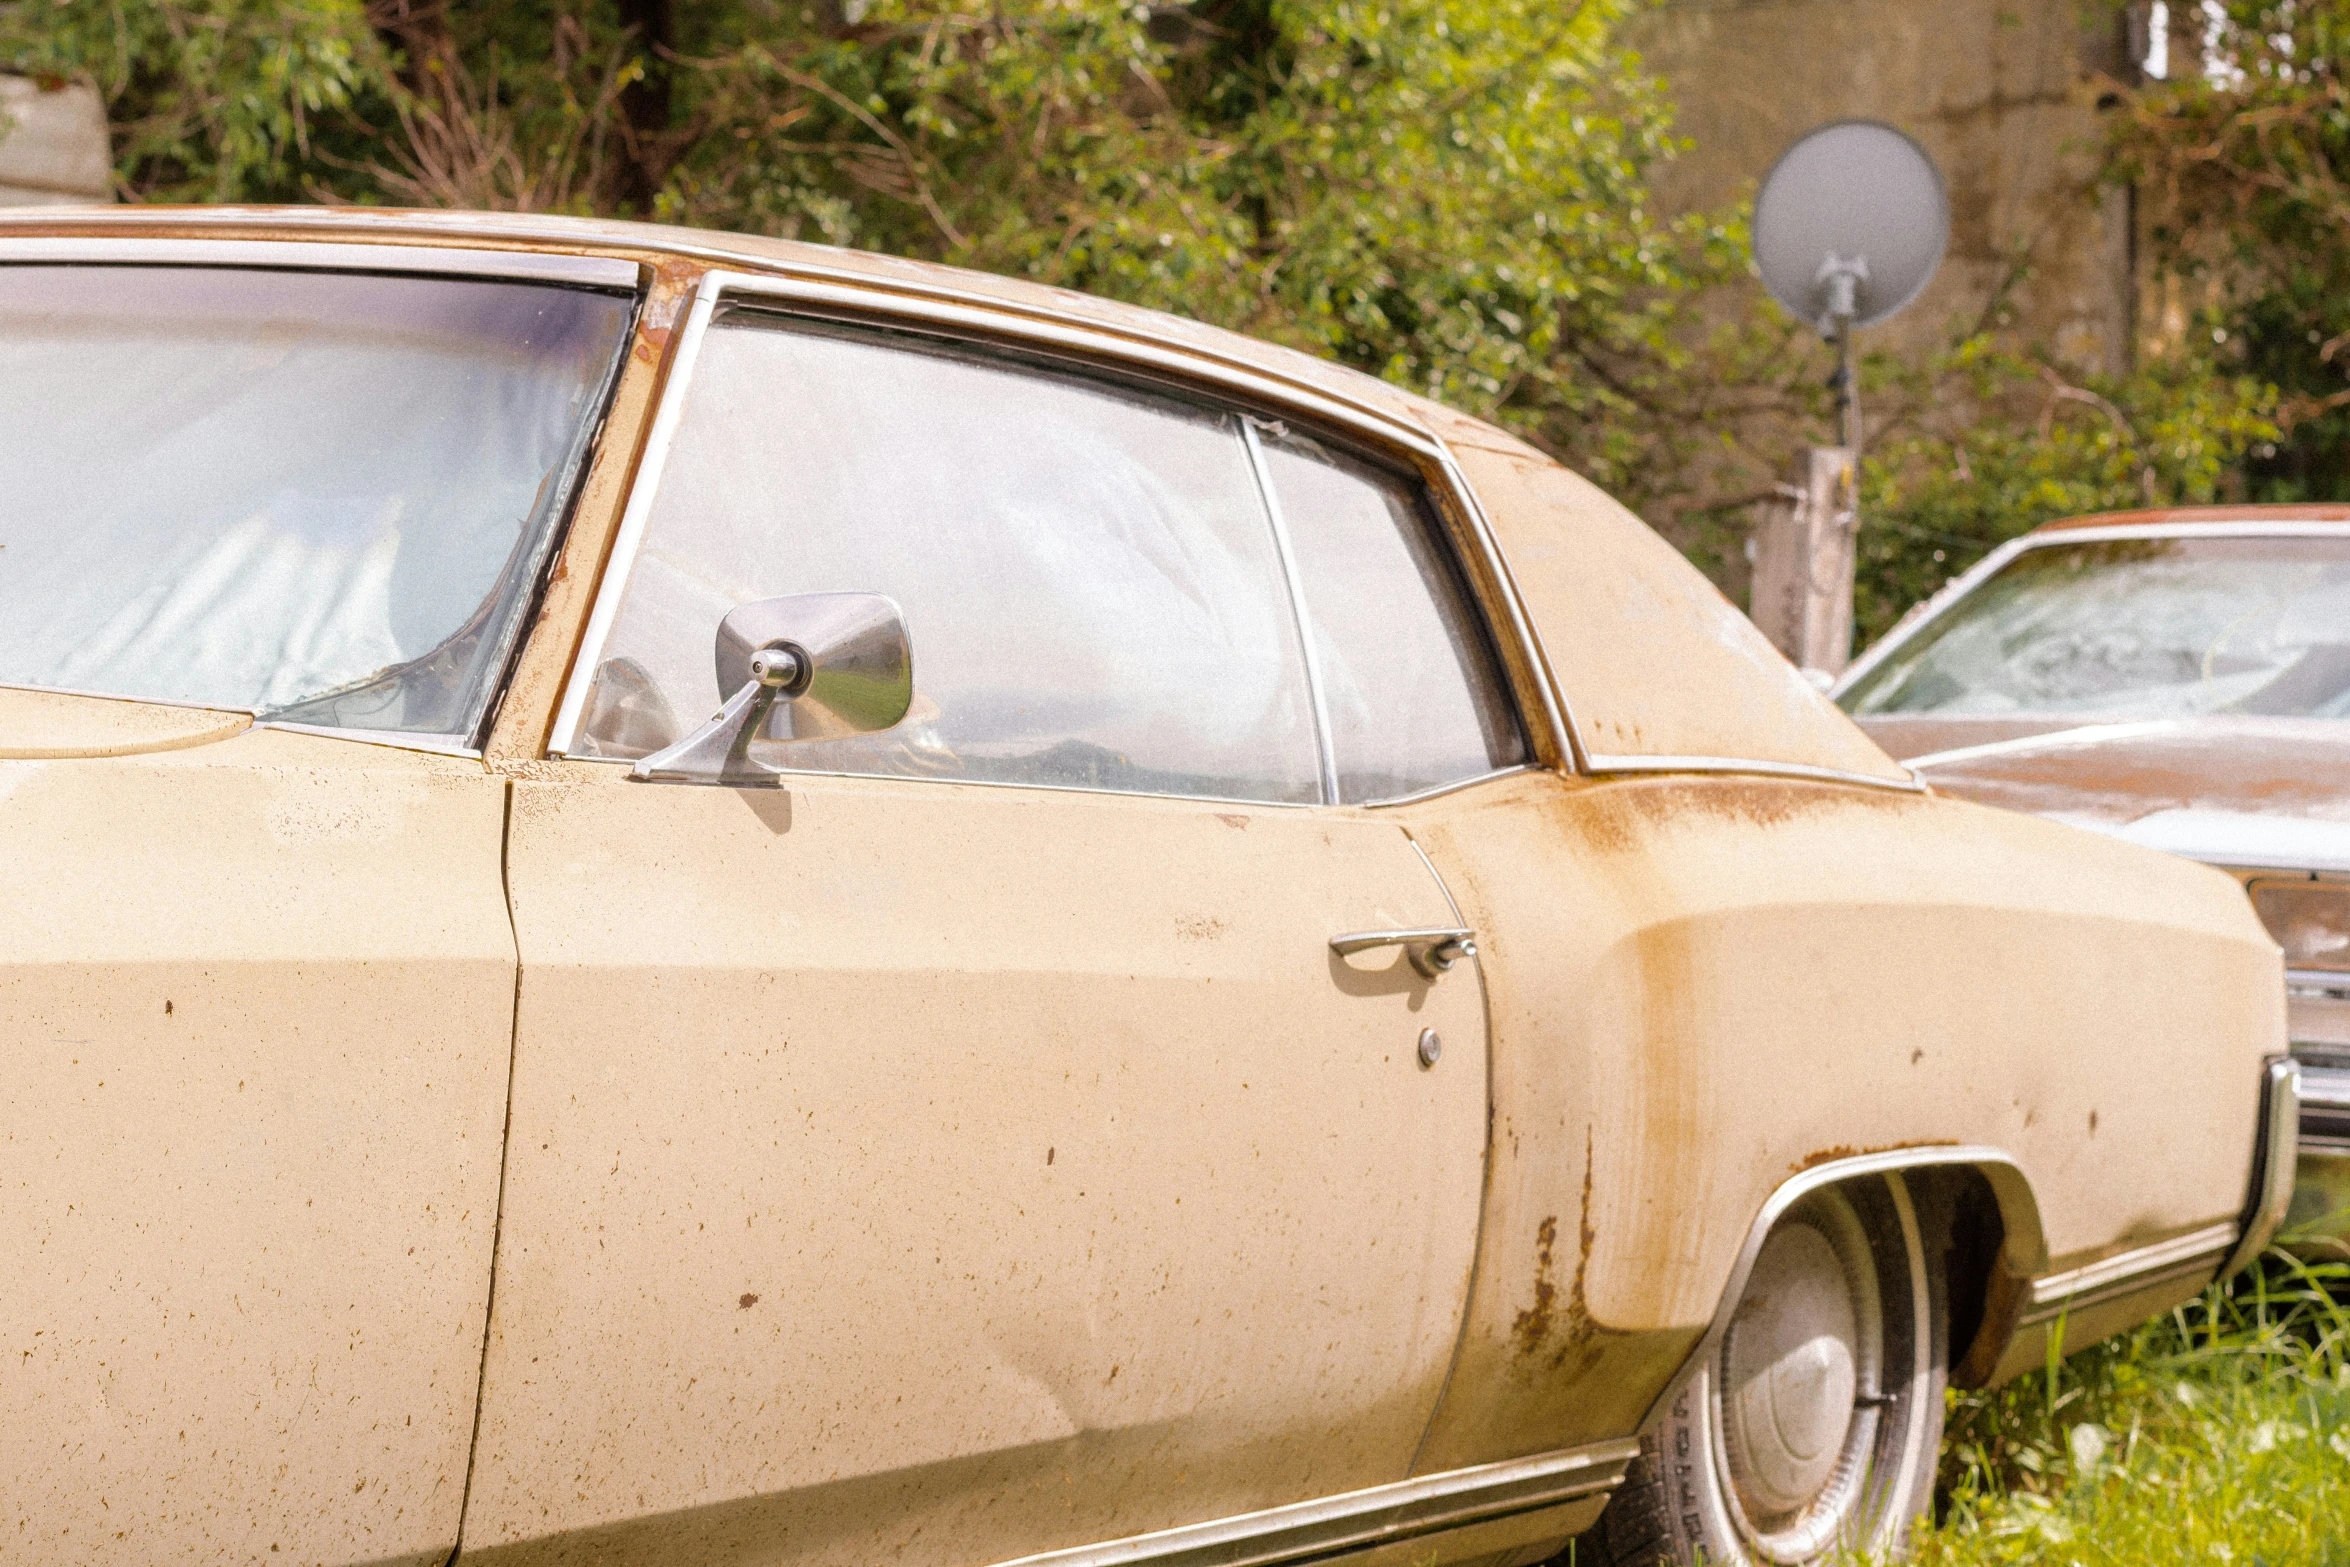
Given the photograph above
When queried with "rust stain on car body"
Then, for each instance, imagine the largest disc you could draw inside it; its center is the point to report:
(1820, 1156)
(1620, 816)
(1543, 1331)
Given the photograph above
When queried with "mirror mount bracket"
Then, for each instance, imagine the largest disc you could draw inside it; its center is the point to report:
(720, 751)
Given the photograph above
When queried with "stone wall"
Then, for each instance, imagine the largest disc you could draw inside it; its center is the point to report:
(2003, 93)
(52, 145)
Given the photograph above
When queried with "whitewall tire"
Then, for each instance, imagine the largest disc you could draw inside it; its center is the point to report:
(1812, 1425)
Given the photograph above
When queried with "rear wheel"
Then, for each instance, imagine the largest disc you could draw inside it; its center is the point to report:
(1814, 1424)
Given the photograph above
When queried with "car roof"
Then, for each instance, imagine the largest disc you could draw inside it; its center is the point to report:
(658, 245)
(2189, 516)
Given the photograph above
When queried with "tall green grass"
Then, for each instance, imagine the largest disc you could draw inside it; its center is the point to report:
(2220, 1433)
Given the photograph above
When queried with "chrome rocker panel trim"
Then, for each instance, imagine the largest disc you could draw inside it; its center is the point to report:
(2109, 1278)
(1359, 1520)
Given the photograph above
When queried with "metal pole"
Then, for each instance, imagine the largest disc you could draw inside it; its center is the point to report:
(1847, 390)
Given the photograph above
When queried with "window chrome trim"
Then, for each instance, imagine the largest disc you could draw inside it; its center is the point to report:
(1359, 1520)
(1296, 589)
(1556, 712)
(1439, 790)
(976, 316)
(930, 781)
(620, 561)
(399, 739)
(1931, 608)
(609, 272)
(1730, 764)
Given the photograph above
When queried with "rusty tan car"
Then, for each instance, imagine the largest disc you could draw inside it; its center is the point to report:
(682, 898)
(2176, 678)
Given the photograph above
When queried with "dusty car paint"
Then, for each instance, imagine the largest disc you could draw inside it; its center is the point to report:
(1668, 977)
(1606, 632)
(1663, 1060)
(957, 1158)
(39, 724)
(249, 1165)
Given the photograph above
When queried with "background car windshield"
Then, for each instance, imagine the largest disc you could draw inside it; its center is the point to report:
(2135, 628)
(319, 496)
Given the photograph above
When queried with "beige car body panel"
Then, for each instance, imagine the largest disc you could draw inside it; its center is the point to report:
(249, 1163)
(1659, 953)
(912, 1169)
(1729, 948)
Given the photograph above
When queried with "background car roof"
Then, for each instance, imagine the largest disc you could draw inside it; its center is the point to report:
(2175, 516)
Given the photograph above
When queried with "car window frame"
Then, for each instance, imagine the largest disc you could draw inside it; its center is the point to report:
(562, 269)
(1242, 390)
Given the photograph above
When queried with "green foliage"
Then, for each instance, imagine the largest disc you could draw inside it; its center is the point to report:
(1990, 443)
(2218, 1433)
(1447, 193)
(213, 100)
(2244, 170)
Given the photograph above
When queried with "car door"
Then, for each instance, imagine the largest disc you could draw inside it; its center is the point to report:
(973, 1146)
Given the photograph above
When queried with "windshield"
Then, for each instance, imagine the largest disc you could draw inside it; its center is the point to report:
(2135, 628)
(320, 496)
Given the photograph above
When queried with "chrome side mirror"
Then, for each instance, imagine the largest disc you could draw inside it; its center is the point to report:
(812, 666)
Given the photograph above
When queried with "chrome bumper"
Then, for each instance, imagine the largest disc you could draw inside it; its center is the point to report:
(2318, 1223)
(2275, 1160)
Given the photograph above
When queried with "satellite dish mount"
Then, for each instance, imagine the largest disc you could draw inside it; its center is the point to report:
(1849, 227)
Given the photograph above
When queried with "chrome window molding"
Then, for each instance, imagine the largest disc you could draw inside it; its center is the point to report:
(1358, 1520)
(976, 318)
(398, 739)
(2024, 1252)
(1730, 764)
(1438, 791)
(1931, 609)
(1295, 585)
(1556, 713)
(2198, 1252)
(621, 560)
(1000, 783)
(606, 272)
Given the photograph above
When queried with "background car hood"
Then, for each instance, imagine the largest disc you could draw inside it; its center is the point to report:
(2261, 792)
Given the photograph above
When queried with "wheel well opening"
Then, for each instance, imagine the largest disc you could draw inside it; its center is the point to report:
(1966, 1237)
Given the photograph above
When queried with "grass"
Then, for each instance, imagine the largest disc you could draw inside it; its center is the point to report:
(2220, 1433)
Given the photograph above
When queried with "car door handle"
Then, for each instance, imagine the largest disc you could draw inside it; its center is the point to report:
(1432, 949)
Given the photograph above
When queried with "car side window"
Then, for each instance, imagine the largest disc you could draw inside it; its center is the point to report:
(1414, 693)
(1088, 572)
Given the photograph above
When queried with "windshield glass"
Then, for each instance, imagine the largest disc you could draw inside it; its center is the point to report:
(2135, 628)
(320, 496)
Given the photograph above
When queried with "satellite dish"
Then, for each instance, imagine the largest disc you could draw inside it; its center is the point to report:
(1850, 224)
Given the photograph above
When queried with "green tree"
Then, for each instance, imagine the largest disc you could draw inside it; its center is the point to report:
(1447, 193)
(2244, 167)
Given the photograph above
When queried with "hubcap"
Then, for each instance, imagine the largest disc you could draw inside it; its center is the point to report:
(1787, 1373)
(1801, 1355)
